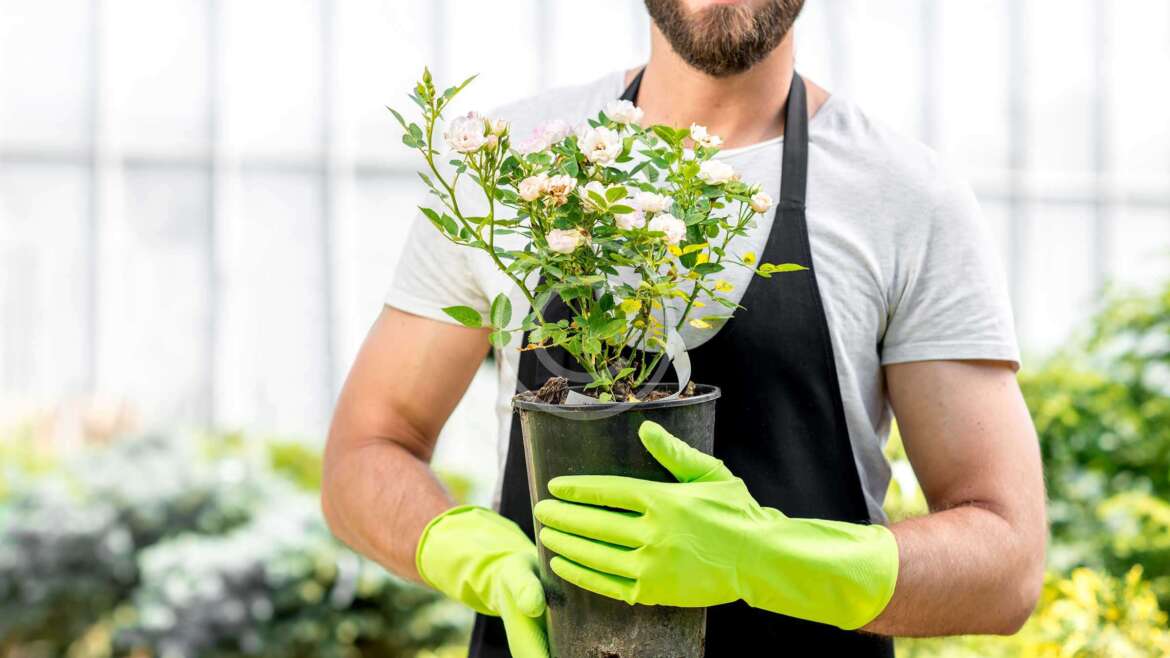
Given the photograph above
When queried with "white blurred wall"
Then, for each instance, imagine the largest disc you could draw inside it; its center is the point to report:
(202, 201)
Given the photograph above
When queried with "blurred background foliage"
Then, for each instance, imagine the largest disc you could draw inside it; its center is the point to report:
(177, 546)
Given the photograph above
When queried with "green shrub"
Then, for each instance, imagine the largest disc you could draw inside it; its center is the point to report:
(189, 546)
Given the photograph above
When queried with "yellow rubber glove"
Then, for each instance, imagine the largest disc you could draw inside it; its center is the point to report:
(482, 559)
(705, 541)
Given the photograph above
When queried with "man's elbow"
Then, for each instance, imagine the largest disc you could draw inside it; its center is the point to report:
(1025, 590)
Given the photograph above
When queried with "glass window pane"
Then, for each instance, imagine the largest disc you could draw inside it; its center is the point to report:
(626, 38)
(972, 72)
(1060, 85)
(509, 68)
(271, 67)
(155, 296)
(43, 280)
(885, 69)
(1140, 247)
(156, 70)
(272, 360)
(1139, 102)
(44, 73)
(1058, 274)
(370, 236)
(382, 48)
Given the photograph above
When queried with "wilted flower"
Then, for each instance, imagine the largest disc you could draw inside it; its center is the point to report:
(651, 203)
(716, 172)
(559, 187)
(703, 138)
(600, 145)
(623, 111)
(761, 202)
(533, 187)
(565, 241)
(630, 220)
(466, 134)
(672, 226)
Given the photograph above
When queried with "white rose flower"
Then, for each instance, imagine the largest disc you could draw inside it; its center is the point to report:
(672, 226)
(591, 186)
(623, 111)
(564, 241)
(600, 145)
(559, 187)
(630, 220)
(466, 134)
(555, 130)
(650, 202)
(533, 187)
(716, 172)
(761, 201)
(544, 136)
(704, 138)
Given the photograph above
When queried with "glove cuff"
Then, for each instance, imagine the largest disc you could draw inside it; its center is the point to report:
(426, 534)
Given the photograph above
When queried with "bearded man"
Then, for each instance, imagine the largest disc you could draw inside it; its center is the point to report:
(903, 312)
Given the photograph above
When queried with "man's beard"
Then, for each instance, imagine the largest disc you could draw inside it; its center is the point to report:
(722, 40)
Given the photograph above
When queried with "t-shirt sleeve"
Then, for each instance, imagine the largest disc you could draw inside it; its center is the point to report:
(950, 298)
(433, 273)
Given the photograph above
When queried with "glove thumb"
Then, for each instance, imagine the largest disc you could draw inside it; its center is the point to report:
(527, 595)
(684, 462)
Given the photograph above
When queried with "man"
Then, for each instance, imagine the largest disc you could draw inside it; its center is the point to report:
(903, 312)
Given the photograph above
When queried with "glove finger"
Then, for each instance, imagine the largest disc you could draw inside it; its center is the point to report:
(596, 555)
(526, 635)
(615, 587)
(523, 591)
(613, 526)
(605, 490)
(686, 463)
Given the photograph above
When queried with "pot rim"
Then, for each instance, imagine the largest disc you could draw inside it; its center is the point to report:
(709, 394)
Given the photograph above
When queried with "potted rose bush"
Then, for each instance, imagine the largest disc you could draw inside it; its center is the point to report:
(626, 228)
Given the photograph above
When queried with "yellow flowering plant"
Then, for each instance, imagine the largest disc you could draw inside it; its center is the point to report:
(613, 218)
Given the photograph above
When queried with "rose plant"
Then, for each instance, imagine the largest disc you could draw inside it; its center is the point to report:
(615, 219)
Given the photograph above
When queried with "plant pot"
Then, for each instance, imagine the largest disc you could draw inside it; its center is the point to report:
(599, 440)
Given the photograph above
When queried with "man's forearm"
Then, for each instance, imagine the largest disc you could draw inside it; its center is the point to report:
(377, 498)
(963, 570)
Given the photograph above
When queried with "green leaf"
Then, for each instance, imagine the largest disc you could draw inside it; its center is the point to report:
(621, 210)
(707, 268)
(615, 193)
(769, 268)
(465, 315)
(499, 338)
(501, 311)
(398, 116)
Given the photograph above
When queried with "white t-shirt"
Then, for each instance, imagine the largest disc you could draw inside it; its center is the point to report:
(906, 267)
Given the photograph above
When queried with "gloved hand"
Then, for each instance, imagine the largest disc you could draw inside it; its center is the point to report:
(705, 541)
(484, 560)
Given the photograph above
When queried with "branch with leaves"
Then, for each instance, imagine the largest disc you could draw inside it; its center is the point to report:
(614, 219)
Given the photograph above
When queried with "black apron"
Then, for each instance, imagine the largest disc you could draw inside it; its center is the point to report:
(780, 423)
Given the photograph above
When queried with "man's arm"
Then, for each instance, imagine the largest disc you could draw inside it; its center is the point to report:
(378, 491)
(975, 564)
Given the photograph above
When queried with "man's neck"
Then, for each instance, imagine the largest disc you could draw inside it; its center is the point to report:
(743, 109)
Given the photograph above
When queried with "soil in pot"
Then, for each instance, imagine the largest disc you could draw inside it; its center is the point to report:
(585, 439)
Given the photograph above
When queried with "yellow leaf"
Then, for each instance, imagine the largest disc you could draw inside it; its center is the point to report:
(723, 285)
(699, 324)
(631, 306)
(675, 250)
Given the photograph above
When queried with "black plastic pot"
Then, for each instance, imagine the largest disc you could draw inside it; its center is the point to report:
(601, 440)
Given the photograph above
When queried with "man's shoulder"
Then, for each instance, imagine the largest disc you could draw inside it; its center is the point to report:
(570, 103)
(883, 158)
